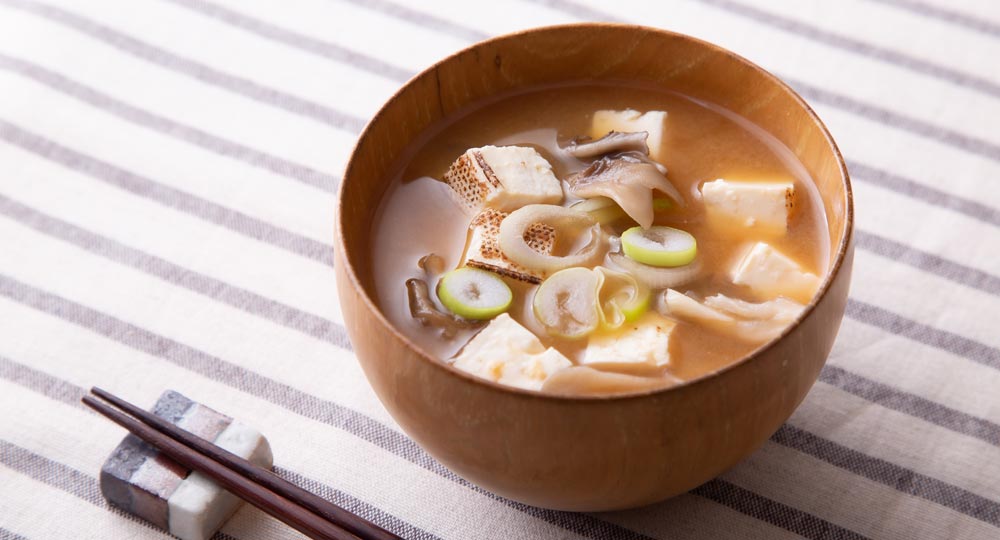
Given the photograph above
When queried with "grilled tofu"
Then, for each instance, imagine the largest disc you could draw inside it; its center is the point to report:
(503, 178)
(483, 248)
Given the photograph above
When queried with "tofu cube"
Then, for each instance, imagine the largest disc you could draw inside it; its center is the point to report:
(769, 273)
(507, 353)
(642, 344)
(504, 178)
(761, 206)
(629, 120)
(483, 248)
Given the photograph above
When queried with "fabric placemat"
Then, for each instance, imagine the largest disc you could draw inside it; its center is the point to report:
(168, 170)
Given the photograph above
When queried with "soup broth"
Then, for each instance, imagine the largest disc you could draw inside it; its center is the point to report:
(700, 143)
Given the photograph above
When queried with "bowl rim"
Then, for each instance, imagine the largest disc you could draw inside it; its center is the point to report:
(834, 270)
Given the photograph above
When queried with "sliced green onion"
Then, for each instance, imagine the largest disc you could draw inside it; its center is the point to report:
(474, 294)
(566, 303)
(602, 209)
(565, 221)
(656, 277)
(637, 309)
(622, 299)
(659, 246)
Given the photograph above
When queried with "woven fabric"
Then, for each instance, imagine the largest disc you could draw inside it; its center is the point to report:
(168, 171)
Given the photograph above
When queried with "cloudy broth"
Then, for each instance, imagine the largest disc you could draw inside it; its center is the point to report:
(702, 142)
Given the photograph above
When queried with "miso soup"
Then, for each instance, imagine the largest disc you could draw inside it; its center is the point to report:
(597, 238)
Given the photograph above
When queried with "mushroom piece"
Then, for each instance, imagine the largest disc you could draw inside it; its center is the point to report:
(432, 264)
(423, 309)
(629, 179)
(615, 141)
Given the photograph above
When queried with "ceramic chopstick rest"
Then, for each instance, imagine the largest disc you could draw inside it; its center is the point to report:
(142, 482)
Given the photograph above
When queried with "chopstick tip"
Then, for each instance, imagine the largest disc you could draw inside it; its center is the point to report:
(89, 401)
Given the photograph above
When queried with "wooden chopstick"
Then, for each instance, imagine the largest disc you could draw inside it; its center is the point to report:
(287, 502)
(281, 508)
(333, 513)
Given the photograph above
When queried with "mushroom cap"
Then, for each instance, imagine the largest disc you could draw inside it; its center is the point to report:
(629, 179)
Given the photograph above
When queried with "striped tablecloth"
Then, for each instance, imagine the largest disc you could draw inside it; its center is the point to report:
(167, 177)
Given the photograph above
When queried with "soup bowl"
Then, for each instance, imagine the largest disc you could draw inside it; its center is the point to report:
(589, 453)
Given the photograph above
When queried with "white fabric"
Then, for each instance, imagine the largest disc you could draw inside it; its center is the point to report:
(167, 177)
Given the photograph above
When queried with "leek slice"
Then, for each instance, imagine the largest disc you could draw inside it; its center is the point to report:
(602, 209)
(659, 246)
(622, 299)
(474, 294)
(566, 303)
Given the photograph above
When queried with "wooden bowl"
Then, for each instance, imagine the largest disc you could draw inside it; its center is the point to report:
(589, 453)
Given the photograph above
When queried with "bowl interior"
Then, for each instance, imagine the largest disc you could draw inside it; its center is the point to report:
(585, 53)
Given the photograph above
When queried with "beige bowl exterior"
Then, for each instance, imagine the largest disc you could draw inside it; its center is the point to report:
(589, 453)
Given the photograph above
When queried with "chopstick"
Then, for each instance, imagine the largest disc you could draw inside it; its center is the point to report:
(300, 509)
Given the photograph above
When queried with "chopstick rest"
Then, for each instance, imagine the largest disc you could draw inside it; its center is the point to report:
(141, 481)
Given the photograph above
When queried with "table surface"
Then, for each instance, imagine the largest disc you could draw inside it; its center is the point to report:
(168, 171)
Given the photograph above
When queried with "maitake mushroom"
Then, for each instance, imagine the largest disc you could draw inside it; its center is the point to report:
(615, 141)
(624, 174)
(423, 309)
